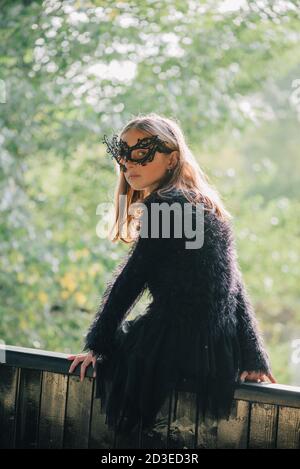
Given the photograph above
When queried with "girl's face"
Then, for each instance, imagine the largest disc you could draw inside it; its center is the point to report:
(146, 177)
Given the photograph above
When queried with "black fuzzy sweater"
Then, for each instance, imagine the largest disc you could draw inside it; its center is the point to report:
(200, 327)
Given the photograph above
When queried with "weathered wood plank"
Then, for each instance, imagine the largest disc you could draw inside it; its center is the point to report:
(78, 412)
(9, 377)
(183, 423)
(159, 435)
(100, 435)
(206, 428)
(44, 360)
(233, 433)
(288, 434)
(52, 410)
(131, 440)
(207, 432)
(28, 408)
(267, 393)
(263, 426)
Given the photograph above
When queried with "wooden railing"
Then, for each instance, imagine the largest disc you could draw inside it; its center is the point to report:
(43, 406)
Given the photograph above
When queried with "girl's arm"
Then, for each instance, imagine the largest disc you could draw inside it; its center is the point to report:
(254, 355)
(123, 290)
(221, 276)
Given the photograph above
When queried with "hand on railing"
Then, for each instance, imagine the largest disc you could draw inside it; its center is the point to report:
(257, 377)
(86, 359)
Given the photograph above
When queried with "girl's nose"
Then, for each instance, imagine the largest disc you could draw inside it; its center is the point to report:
(128, 164)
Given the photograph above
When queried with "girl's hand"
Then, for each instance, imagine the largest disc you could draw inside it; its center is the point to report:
(257, 377)
(86, 359)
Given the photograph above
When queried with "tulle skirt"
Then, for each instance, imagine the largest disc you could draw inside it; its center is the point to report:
(158, 351)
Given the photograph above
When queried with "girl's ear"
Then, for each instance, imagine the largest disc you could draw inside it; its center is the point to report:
(174, 157)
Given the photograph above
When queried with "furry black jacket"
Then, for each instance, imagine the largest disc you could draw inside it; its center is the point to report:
(199, 328)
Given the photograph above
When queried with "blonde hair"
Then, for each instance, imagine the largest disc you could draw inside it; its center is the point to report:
(186, 176)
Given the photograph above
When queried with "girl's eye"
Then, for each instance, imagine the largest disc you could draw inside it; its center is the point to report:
(139, 153)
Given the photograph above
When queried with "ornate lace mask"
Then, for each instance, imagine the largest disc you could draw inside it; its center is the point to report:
(142, 152)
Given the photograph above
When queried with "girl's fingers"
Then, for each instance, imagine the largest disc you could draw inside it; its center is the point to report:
(248, 377)
(82, 370)
(86, 359)
(257, 377)
(243, 376)
(73, 365)
(271, 378)
(94, 366)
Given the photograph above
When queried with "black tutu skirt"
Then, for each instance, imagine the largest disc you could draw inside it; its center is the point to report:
(155, 353)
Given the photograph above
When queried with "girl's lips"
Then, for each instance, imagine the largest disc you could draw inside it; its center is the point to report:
(134, 176)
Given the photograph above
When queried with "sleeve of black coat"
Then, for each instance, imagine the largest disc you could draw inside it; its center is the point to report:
(220, 279)
(125, 287)
(253, 351)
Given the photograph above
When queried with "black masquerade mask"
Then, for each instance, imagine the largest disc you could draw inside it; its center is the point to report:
(141, 153)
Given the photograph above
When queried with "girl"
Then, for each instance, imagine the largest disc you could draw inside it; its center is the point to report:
(200, 327)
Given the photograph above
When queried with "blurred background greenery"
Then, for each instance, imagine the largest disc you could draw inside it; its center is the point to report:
(71, 71)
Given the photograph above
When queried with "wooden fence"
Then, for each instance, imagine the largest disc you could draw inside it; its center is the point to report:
(43, 406)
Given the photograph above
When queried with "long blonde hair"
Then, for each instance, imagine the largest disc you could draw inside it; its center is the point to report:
(187, 175)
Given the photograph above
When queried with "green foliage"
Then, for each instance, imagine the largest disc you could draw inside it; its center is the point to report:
(73, 71)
